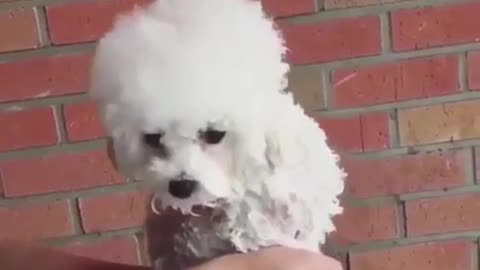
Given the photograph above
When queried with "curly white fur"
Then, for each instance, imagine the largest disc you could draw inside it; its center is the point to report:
(181, 65)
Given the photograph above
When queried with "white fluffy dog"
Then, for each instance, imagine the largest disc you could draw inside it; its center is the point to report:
(193, 95)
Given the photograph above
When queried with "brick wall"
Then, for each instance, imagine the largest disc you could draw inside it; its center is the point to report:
(393, 83)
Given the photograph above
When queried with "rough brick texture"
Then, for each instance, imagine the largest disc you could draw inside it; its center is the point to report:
(394, 84)
(441, 215)
(364, 224)
(439, 123)
(39, 221)
(28, 128)
(84, 21)
(18, 30)
(405, 174)
(367, 132)
(59, 172)
(82, 122)
(398, 81)
(120, 250)
(115, 211)
(431, 256)
(414, 29)
(282, 8)
(343, 141)
(47, 76)
(332, 40)
(375, 131)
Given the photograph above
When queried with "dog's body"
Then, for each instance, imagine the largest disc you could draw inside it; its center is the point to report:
(193, 95)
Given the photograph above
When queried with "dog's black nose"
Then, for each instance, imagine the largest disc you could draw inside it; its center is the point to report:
(182, 188)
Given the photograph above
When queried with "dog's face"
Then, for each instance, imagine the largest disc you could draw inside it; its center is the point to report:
(190, 165)
(163, 77)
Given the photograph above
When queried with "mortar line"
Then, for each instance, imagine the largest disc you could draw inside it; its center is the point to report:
(418, 149)
(93, 236)
(42, 26)
(18, 105)
(347, 261)
(403, 219)
(69, 195)
(76, 218)
(389, 57)
(69, 49)
(141, 242)
(2, 191)
(362, 131)
(37, 152)
(448, 192)
(319, 5)
(469, 96)
(385, 33)
(60, 122)
(474, 166)
(469, 167)
(380, 200)
(327, 89)
(394, 129)
(476, 255)
(462, 71)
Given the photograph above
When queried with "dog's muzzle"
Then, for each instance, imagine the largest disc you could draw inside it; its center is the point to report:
(182, 188)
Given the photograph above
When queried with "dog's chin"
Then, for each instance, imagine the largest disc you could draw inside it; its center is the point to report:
(187, 206)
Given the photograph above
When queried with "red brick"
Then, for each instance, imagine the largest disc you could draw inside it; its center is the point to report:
(28, 128)
(114, 211)
(446, 122)
(85, 21)
(435, 26)
(367, 132)
(335, 4)
(55, 173)
(47, 76)
(473, 63)
(375, 131)
(342, 141)
(33, 222)
(332, 40)
(18, 30)
(405, 174)
(82, 122)
(454, 255)
(442, 215)
(282, 8)
(363, 224)
(384, 83)
(118, 250)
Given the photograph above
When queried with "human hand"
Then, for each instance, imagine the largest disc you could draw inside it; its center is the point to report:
(275, 258)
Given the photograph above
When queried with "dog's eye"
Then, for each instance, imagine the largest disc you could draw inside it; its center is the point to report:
(212, 136)
(152, 139)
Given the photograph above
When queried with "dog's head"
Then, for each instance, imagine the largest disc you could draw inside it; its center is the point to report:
(187, 90)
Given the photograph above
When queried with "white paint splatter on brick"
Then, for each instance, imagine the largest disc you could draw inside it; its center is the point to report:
(346, 79)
